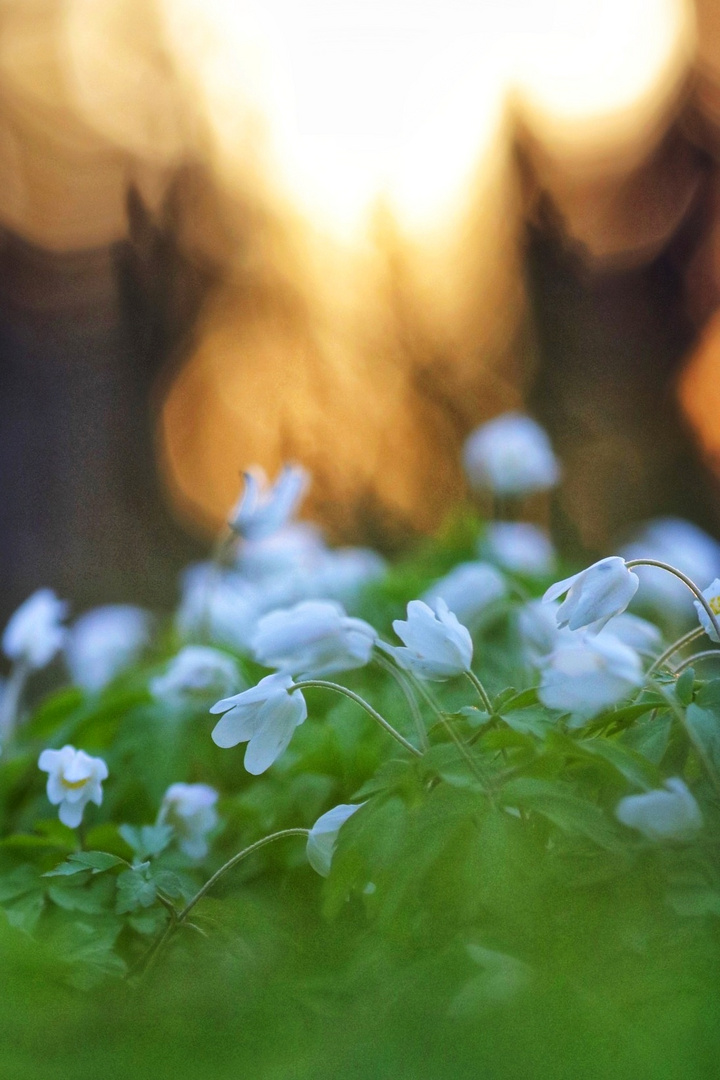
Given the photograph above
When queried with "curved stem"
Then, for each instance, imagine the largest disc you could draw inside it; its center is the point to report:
(306, 683)
(406, 687)
(481, 691)
(443, 720)
(177, 918)
(233, 862)
(692, 635)
(686, 580)
(706, 654)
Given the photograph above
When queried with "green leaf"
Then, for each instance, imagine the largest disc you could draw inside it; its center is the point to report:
(684, 686)
(134, 891)
(23, 913)
(148, 840)
(708, 696)
(703, 728)
(560, 805)
(76, 895)
(96, 861)
(166, 882)
(518, 700)
(651, 737)
(629, 763)
(18, 882)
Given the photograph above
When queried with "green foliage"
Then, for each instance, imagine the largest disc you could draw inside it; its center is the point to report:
(486, 913)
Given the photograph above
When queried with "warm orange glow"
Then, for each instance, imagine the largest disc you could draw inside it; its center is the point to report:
(368, 212)
(700, 393)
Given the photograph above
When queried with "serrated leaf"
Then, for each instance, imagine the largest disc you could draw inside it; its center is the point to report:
(95, 861)
(167, 882)
(134, 891)
(148, 840)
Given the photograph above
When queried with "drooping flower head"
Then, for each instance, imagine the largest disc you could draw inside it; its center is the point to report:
(262, 510)
(712, 595)
(470, 590)
(437, 645)
(322, 838)
(595, 594)
(190, 809)
(671, 813)
(587, 675)
(511, 455)
(314, 638)
(264, 717)
(104, 641)
(197, 675)
(34, 633)
(74, 780)
(683, 545)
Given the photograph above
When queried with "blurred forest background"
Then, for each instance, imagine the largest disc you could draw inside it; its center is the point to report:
(345, 234)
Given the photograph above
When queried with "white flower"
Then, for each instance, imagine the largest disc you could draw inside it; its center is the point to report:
(683, 545)
(437, 645)
(295, 546)
(197, 674)
(588, 675)
(265, 717)
(469, 590)
(510, 455)
(595, 594)
(322, 838)
(343, 572)
(190, 809)
(74, 780)
(261, 511)
(636, 632)
(669, 814)
(315, 638)
(712, 595)
(219, 604)
(519, 547)
(538, 629)
(104, 641)
(34, 634)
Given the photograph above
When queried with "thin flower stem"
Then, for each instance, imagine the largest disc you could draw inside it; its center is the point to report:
(11, 699)
(406, 687)
(306, 683)
(706, 654)
(177, 918)
(443, 720)
(481, 691)
(692, 635)
(686, 580)
(233, 862)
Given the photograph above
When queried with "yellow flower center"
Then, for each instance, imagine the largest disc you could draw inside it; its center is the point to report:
(73, 785)
(714, 603)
